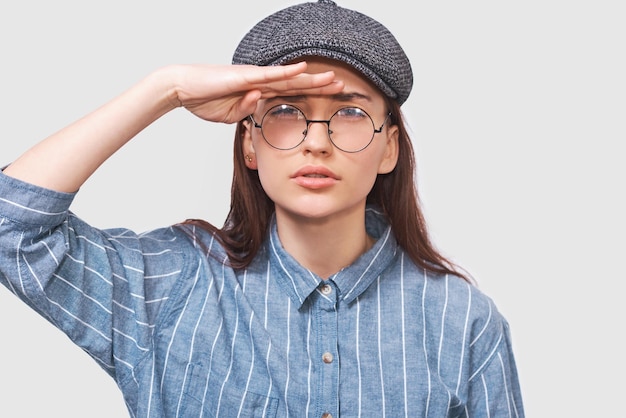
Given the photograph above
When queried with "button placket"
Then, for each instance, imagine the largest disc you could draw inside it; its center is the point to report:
(326, 347)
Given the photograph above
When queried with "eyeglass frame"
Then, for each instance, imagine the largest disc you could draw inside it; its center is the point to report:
(327, 122)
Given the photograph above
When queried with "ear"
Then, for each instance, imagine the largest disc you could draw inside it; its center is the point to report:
(390, 157)
(247, 147)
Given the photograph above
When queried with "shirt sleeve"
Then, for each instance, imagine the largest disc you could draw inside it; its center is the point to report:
(494, 390)
(104, 288)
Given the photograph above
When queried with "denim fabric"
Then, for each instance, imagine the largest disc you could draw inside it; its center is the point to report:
(185, 335)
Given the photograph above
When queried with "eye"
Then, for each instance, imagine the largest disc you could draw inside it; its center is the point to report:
(351, 113)
(285, 112)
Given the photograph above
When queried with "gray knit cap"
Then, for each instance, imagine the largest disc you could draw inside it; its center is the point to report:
(324, 29)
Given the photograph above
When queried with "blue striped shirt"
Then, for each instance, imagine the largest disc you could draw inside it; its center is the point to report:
(184, 335)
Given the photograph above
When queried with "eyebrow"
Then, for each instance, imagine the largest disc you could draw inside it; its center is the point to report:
(340, 97)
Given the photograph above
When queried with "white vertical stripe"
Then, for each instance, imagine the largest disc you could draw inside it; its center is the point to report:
(358, 353)
(232, 349)
(506, 386)
(152, 377)
(308, 352)
(406, 396)
(178, 321)
(18, 250)
(488, 358)
(215, 339)
(338, 380)
(443, 323)
(252, 356)
(380, 354)
(288, 352)
(482, 379)
(487, 321)
(17, 265)
(424, 341)
(280, 261)
(32, 273)
(210, 366)
(193, 340)
(269, 343)
(372, 261)
(462, 355)
(193, 236)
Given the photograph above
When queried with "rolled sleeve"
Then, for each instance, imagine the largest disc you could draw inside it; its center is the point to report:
(31, 205)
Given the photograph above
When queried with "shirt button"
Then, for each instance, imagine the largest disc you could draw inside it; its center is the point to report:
(326, 289)
(327, 357)
(327, 415)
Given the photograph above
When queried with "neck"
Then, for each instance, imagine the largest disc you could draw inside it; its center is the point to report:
(325, 245)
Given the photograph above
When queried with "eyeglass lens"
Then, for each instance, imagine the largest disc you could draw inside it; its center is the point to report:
(350, 129)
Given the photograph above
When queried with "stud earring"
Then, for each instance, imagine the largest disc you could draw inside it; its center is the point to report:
(248, 158)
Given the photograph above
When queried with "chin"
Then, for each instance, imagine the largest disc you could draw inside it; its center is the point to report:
(319, 210)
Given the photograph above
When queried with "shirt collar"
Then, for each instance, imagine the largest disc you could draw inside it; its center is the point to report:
(299, 282)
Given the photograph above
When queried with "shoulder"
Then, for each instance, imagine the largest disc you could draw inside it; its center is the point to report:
(456, 307)
(171, 251)
(463, 304)
(200, 240)
(166, 242)
(446, 295)
(473, 317)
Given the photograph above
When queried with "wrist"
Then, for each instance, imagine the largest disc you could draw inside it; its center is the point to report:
(164, 82)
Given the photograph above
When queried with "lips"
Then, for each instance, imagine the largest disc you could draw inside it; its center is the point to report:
(315, 177)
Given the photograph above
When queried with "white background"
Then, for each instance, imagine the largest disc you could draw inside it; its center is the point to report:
(518, 115)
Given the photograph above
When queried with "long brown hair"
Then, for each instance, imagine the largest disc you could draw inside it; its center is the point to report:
(395, 194)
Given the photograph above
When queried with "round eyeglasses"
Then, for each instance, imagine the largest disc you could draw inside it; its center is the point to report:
(350, 129)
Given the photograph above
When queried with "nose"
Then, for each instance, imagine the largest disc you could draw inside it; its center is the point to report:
(317, 138)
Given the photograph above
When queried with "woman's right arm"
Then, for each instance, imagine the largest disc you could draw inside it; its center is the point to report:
(84, 280)
(64, 160)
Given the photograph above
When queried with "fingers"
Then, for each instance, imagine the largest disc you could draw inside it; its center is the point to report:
(291, 79)
(271, 73)
(309, 84)
(294, 89)
(291, 70)
(308, 81)
(248, 103)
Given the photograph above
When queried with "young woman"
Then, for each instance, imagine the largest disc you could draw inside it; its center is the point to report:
(321, 295)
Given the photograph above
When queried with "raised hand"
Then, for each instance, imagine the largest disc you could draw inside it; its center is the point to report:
(229, 93)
